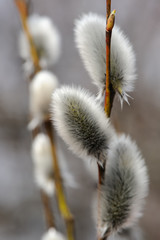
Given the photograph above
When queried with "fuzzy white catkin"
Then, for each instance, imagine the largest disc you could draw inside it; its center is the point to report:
(47, 41)
(40, 89)
(125, 186)
(81, 122)
(42, 159)
(53, 234)
(90, 40)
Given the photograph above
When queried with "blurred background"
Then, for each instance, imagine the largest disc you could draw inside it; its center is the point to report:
(21, 213)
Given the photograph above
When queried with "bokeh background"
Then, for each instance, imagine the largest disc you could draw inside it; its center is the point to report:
(21, 213)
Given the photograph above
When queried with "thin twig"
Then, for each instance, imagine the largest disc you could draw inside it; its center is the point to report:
(23, 11)
(108, 37)
(44, 197)
(101, 172)
(47, 210)
(62, 203)
(106, 234)
(109, 94)
(63, 207)
(108, 8)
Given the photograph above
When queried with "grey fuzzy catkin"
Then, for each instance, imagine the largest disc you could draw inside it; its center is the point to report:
(125, 185)
(90, 41)
(40, 89)
(119, 192)
(42, 159)
(81, 122)
(47, 41)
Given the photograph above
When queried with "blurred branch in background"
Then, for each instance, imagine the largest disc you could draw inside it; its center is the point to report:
(62, 203)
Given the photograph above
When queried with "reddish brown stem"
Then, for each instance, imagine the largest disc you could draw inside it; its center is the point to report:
(108, 8)
(109, 94)
(47, 210)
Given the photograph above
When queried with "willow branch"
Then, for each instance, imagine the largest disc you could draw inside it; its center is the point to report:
(23, 11)
(44, 197)
(65, 212)
(106, 234)
(101, 173)
(109, 93)
(47, 210)
(62, 203)
(108, 8)
(108, 39)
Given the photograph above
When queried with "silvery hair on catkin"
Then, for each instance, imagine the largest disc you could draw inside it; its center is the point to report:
(125, 186)
(90, 41)
(81, 122)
